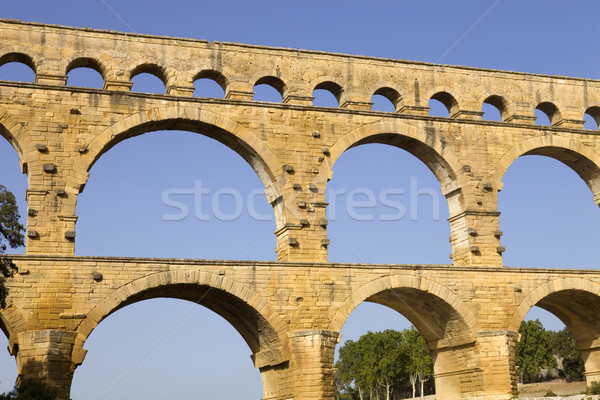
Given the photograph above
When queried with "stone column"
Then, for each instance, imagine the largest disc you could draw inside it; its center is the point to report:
(240, 91)
(496, 353)
(51, 222)
(474, 223)
(521, 113)
(591, 358)
(301, 215)
(456, 369)
(312, 361)
(276, 382)
(50, 357)
(356, 100)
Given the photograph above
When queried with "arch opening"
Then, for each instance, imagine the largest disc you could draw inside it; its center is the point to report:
(568, 343)
(15, 182)
(207, 202)
(449, 105)
(8, 367)
(544, 227)
(592, 118)
(210, 83)
(12, 178)
(270, 89)
(382, 103)
(85, 77)
(380, 331)
(440, 325)
(261, 327)
(186, 351)
(494, 108)
(17, 67)
(378, 213)
(327, 94)
(547, 114)
(17, 71)
(386, 99)
(148, 78)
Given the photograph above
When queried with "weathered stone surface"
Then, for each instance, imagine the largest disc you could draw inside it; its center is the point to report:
(290, 312)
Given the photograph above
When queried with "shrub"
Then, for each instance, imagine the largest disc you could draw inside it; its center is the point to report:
(550, 393)
(29, 390)
(594, 388)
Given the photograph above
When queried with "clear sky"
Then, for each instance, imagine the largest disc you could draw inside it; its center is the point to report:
(172, 349)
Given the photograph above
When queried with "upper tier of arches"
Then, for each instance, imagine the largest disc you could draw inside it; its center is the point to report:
(456, 104)
(296, 74)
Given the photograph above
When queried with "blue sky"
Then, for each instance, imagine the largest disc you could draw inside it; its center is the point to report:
(171, 349)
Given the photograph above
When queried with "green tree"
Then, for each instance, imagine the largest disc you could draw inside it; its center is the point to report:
(11, 234)
(563, 346)
(30, 390)
(420, 364)
(389, 356)
(378, 364)
(372, 364)
(350, 367)
(534, 350)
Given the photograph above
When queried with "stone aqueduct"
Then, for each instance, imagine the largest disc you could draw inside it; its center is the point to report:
(290, 312)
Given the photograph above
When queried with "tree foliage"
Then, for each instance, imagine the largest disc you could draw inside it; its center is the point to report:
(379, 364)
(11, 234)
(534, 350)
(420, 365)
(563, 346)
(30, 390)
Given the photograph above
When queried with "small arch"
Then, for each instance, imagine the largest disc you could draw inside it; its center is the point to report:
(16, 72)
(499, 104)
(332, 88)
(86, 62)
(550, 111)
(19, 58)
(448, 101)
(150, 70)
(594, 114)
(274, 82)
(214, 76)
(391, 95)
(17, 67)
(85, 72)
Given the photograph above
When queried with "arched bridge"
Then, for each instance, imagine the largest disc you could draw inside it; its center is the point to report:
(290, 312)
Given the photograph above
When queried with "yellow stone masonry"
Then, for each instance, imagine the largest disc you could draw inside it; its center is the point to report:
(290, 312)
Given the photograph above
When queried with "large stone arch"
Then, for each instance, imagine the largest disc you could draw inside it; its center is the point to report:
(12, 322)
(11, 129)
(101, 63)
(566, 298)
(232, 134)
(261, 326)
(447, 317)
(204, 288)
(418, 142)
(447, 324)
(575, 301)
(579, 157)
